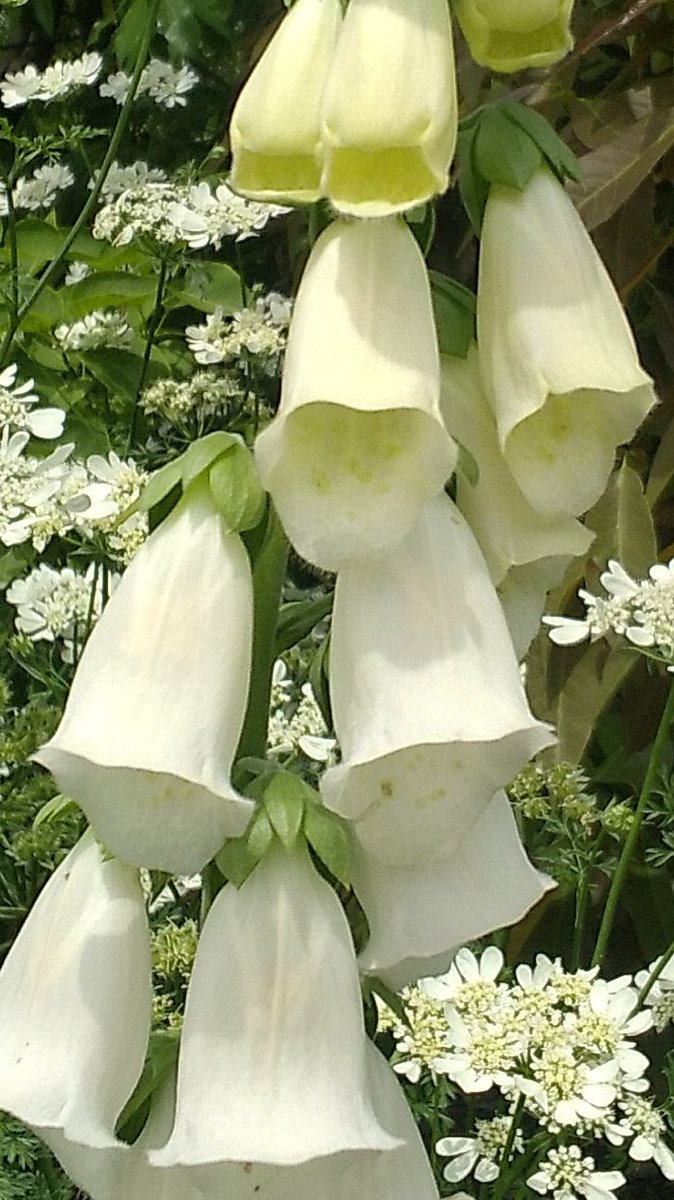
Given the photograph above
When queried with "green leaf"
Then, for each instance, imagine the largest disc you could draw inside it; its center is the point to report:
(473, 188)
(107, 289)
(623, 524)
(454, 310)
(58, 806)
(236, 489)
(207, 286)
(329, 838)
(297, 619)
(562, 160)
(37, 242)
(260, 835)
(162, 1054)
(118, 370)
(662, 469)
(592, 682)
(613, 171)
(158, 486)
(284, 799)
(235, 861)
(131, 27)
(319, 677)
(14, 561)
(503, 152)
(199, 456)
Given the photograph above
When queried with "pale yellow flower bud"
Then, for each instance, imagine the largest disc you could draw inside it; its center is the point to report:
(275, 127)
(509, 35)
(390, 108)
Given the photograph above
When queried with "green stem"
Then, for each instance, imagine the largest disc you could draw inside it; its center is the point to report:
(152, 327)
(654, 975)
(503, 1181)
(582, 894)
(90, 204)
(268, 575)
(631, 839)
(13, 248)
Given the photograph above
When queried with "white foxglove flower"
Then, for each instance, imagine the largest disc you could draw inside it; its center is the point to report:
(509, 531)
(416, 637)
(358, 443)
(274, 990)
(557, 356)
(275, 129)
(510, 35)
(75, 999)
(390, 107)
(156, 708)
(419, 915)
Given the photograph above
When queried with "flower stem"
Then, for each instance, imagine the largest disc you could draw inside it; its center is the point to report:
(654, 975)
(631, 839)
(503, 1182)
(269, 566)
(582, 895)
(90, 204)
(152, 327)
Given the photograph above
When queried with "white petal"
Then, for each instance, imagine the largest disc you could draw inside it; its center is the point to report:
(415, 635)
(274, 990)
(389, 132)
(75, 999)
(358, 443)
(418, 913)
(457, 1170)
(158, 700)
(46, 422)
(557, 356)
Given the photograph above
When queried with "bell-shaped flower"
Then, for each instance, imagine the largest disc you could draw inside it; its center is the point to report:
(76, 998)
(523, 595)
(275, 131)
(510, 35)
(557, 357)
(274, 990)
(390, 107)
(358, 443)
(427, 698)
(157, 704)
(509, 531)
(418, 916)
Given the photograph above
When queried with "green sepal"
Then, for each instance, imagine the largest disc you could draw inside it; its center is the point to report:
(319, 680)
(454, 309)
(329, 838)
(260, 835)
(58, 806)
(161, 1057)
(559, 157)
(503, 152)
(201, 454)
(235, 862)
(285, 799)
(473, 188)
(157, 488)
(236, 490)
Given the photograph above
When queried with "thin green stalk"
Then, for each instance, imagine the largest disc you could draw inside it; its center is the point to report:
(631, 839)
(268, 575)
(13, 249)
(582, 896)
(152, 327)
(503, 1182)
(653, 977)
(90, 204)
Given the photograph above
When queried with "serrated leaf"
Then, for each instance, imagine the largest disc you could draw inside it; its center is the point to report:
(623, 524)
(236, 488)
(284, 799)
(260, 835)
(297, 619)
(58, 806)
(562, 160)
(454, 311)
(329, 838)
(503, 152)
(199, 456)
(235, 862)
(611, 173)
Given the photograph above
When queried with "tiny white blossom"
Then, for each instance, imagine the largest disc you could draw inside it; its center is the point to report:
(206, 393)
(568, 1175)
(103, 327)
(17, 407)
(121, 178)
(481, 1153)
(206, 218)
(76, 272)
(142, 211)
(63, 77)
(167, 85)
(116, 87)
(42, 187)
(58, 605)
(260, 331)
(20, 87)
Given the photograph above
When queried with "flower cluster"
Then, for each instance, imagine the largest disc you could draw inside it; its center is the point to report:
(167, 85)
(100, 328)
(120, 178)
(142, 211)
(555, 1046)
(259, 331)
(40, 190)
(55, 82)
(296, 724)
(641, 611)
(59, 605)
(206, 217)
(17, 408)
(204, 394)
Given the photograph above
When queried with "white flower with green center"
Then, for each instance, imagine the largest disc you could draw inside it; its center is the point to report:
(481, 1153)
(206, 218)
(140, 212)
(107, 328)
(206, 393)
(43, 187)
(424, 1040)
(568, 1175)
(20, 87)
(121, 178)
(469, 985)
(482, 1054)
(564, 1091)
(77, 271)
(25, 484)
(58, 605)
(260, 331)
(646, 1126)
(166, 85)
(61, 78)
(16, 402)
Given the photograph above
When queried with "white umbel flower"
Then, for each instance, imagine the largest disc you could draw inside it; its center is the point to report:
(157, 704)
(275, 129)
(418, 915)
(390, 107)
(75, 999)
(358, 443)
(414, 636)
(274, 989)
(557, 356)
